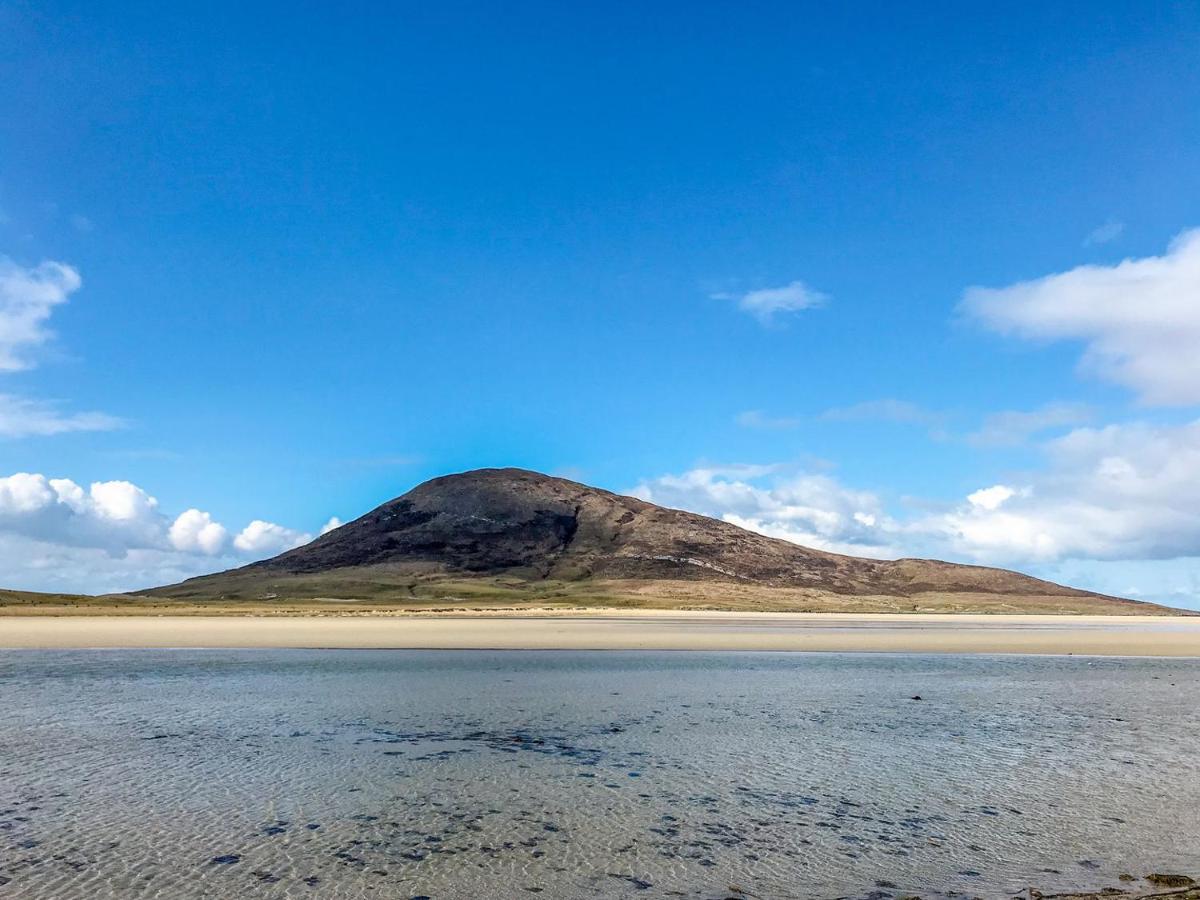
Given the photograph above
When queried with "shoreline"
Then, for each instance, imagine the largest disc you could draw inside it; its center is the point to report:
(596, 629)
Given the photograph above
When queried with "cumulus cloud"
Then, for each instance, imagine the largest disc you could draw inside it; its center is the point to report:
(266, 538)
(1014, 427)
(990, 498)
(110, 515)
(334, 522)
(195, 531)
(767, 303)
(112, 535)
(27, 298)
(1098, 516)
(1121, 492)
(805, 508)
(1139, 320)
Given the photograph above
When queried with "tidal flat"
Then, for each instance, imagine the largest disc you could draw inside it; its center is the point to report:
(573, 774)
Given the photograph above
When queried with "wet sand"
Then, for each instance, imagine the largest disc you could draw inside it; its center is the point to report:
(341, 774)
(625, 630)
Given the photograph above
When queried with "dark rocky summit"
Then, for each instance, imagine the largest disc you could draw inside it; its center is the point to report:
(530, 529)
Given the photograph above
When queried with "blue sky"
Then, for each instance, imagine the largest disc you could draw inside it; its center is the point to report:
(292, 260)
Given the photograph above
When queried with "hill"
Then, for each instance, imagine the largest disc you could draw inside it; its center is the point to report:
(508, 536)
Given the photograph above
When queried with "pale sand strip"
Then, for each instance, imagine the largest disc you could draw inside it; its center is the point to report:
(653, 630)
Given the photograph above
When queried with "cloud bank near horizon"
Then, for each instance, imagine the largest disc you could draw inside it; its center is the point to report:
(1111, 495)
(60, 535)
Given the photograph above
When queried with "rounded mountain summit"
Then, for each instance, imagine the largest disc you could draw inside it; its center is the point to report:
(511, 537)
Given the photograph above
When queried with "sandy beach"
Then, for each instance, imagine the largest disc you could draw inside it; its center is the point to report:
(626, 630)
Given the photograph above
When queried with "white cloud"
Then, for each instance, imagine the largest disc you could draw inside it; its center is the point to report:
(121, 501)
(56, 534)
(37, 565)
(1139, 319)
(24, 493)
(266, 538)
(334, 522)
(1104, 234)
(110, 515)
(901, 412)
(1123, 492)
(990, 498)
(196, 532)
(767, 303)
(1013, 427)
(888, 410)
(756, 418)
(27, 297)
(809, 509)
(1108, 499)
(21, 417)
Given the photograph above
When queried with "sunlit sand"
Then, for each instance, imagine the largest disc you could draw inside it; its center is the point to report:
(625, 630)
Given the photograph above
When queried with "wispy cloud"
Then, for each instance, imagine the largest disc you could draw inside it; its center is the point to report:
(756, 418)
(768, 303)
(1104, 234)
(1011, 428)
(886, 410)
(21, 417)
(27, 298)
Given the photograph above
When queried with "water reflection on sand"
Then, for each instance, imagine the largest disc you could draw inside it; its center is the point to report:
(450, 774)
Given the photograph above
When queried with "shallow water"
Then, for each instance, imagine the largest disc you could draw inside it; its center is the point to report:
(475, 774)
